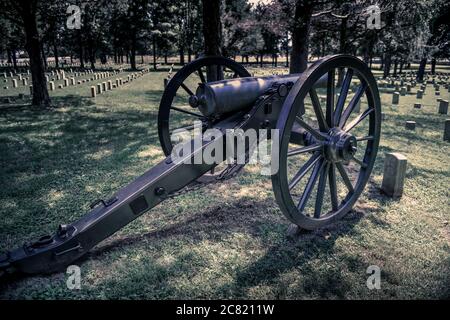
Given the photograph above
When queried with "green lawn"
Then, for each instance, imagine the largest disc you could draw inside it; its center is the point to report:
(227, 241)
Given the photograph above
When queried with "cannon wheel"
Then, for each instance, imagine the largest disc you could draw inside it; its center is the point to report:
(198, 70)
(320, 181)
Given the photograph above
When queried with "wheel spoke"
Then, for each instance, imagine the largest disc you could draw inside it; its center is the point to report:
(361, 163)
(357, 120)
(310, 185)
(189, 92)
(303, 170)
(318, 110)
(201, 75)
(364, 138)
(316, 134)
(333, 187)
(343, 95)
(330, 98)
(352, 105)
(345, 177)
(188, 112)
(313, 147)
(321, 191)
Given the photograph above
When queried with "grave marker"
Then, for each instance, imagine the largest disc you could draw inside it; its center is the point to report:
(419, 94)
(447, 130)
(410, 125)
(395, 98)
(394, 174)
(443, 107)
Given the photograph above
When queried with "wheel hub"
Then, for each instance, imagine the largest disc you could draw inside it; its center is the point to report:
(340, 146)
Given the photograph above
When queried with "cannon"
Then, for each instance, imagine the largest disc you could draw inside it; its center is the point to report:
(327, 149)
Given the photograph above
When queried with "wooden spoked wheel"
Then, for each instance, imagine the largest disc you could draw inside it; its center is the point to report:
(320, 180)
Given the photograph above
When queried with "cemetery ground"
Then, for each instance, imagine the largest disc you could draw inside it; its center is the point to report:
(224, 241)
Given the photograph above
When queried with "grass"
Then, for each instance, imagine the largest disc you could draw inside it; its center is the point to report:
(227, 241)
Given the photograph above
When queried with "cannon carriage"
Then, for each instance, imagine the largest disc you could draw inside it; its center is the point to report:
(327, 149)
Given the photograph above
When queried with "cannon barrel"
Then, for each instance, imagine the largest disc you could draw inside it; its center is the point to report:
(225, 96)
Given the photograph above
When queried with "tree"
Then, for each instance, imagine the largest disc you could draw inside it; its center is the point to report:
(300, 35)
(24, 14)
(212, 33)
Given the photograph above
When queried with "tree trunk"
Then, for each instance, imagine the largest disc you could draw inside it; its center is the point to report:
(44, 57)
(421, 71)
(300, 36)
(401, 67)
(182, 56)
(80, 49)
(395, 67)
(287, 49)
(8, 52)
(14, 59)
(212, 33)
(92, 58)
(433, 66)
(55, 53)
(133, 52)
(41, 97)
(154, 53)
(387, 65)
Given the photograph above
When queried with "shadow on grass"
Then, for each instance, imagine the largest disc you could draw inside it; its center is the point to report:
(59, 152)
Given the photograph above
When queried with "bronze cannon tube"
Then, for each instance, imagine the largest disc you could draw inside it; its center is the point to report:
(221, 97)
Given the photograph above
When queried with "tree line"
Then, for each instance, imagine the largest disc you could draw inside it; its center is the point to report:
(123, 30)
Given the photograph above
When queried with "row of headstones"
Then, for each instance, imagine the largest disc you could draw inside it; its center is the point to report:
(442, 108)
(395, 163)
(11, 65)
(419, 95)
(60, 75)
(72, 81)
(109, 85)
(426, 76)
